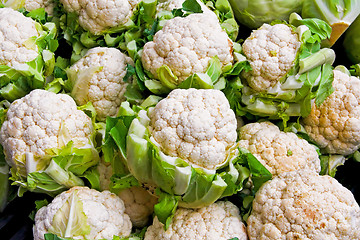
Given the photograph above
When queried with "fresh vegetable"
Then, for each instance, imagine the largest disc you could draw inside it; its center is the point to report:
(98, 77)
(304, 205)
(47, 142)
(184, 47)
(30, 5)
(334, 124)
(83, 213)
(255, 13)
(338, 14)
(220, 220)
(278, 151)
(185, 148)
(27, 54)
(103, 23)
(288, 70)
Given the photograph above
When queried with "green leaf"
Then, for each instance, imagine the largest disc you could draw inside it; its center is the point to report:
(51, 236)
(198, 81)
(70, 220)
(38, 14)
(167, 77)
(329, 164)
(61, 176)
(191, 6)
(120, 182)
(318, 27)
(166, 207)
(325, 87)
(75, 160)
(259, 174)
(93, 177)
(214, 69)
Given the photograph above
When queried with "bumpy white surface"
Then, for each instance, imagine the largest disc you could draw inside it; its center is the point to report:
(106, 88)
(304, 205)
(98, 15)
(186, 44)
(271, 51)
(37, 122)
(105, 214)
(139, 203)
(276, 150)
(15, 30)
(218, 221)
(335, 124)
(195, 125)
(48, 5)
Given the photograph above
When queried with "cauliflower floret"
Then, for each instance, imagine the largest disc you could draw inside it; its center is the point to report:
(103, 84)
(42, 120)
(195, 125)
(304, 205)
(104, 212)
(276, 150)
(271, 51)
(218, 221)
(15, 30)
(335, 124)
(48, 5)
(139, 203)
(186, 45)
(98, 15)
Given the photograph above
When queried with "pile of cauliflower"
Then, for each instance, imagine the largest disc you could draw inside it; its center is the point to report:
(122, 158)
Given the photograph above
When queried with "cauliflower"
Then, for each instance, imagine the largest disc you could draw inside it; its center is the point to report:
(139, 203)
(195, 125)
(98, 16)
(276, 150)
(98, 77)
(15, 31)
(83, 213)
(185, 146)
(186, 45)
(304, 205)
(30, 5)
(39, 121)
(219, 221)
(48, 5)
(335, 124)
(271, 51)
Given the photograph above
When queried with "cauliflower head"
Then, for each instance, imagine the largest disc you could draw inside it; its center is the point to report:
(195, 125)
(139, 203)
(186, 45)
(218, 221)
(278, 151)
(97, 16)
(271, 51)
(15, 31)
(48, 5)
(98, 78)
(104, 213)
(335, 124)
(39, 121)
(304, 205)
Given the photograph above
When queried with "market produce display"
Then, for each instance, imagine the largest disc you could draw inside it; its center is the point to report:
(179, 119)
